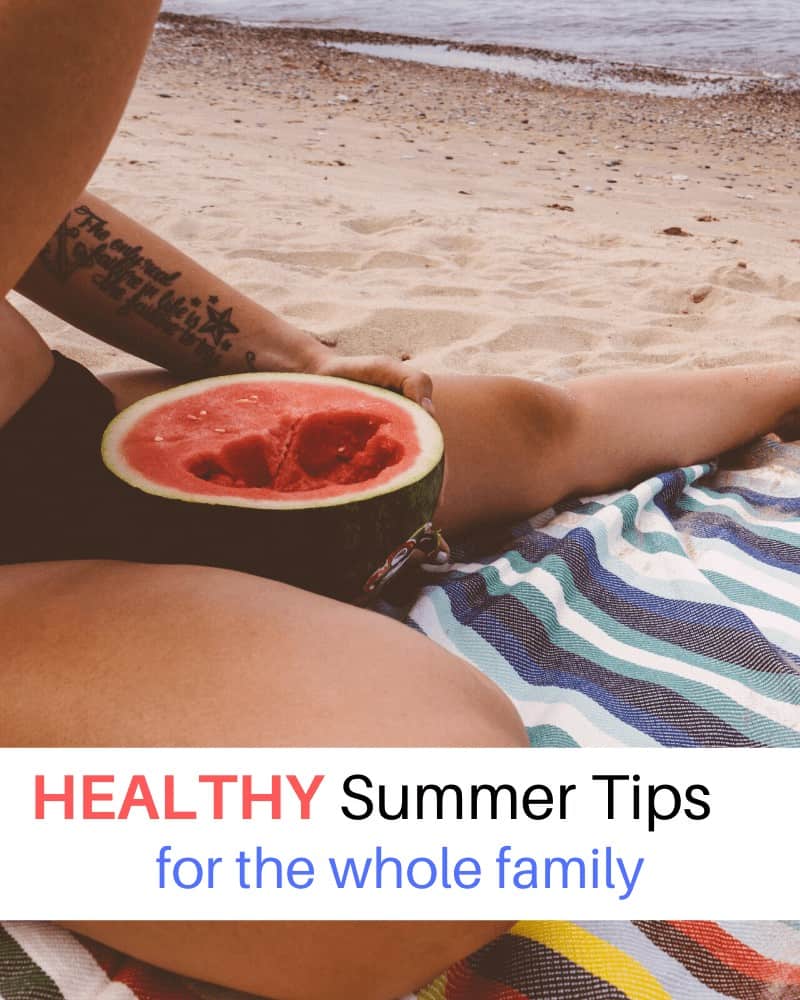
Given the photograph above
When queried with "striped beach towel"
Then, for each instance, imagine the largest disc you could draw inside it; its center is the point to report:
(667, 614)
(610, 960)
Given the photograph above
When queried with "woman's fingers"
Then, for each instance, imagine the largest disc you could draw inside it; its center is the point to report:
(385, 372)
(418, 386)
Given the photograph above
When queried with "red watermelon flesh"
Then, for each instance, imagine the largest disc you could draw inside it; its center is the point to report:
(264, 441)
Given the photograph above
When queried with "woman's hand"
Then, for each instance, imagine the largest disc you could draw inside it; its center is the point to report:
(379, 370)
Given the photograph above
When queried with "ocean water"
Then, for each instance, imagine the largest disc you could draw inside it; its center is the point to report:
(753, 37)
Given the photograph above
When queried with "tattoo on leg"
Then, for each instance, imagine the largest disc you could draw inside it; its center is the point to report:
(138, 286)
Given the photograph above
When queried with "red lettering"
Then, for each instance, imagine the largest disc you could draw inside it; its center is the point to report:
(90, 796)
(218, 781)
(249, 796)
(138, 794)
(170, 812)
(305, 795)
(67, 796)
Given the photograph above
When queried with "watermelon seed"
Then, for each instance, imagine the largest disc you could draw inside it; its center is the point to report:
(192, 416)
(158, 437)
(245, 399)
(220, 430)
(203, 413)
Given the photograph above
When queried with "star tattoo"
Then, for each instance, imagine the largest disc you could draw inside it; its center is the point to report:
(218, 323)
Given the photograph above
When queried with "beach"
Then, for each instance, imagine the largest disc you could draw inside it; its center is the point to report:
(468, 221)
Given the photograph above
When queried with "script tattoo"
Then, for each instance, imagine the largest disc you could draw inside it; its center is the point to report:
(138, 286)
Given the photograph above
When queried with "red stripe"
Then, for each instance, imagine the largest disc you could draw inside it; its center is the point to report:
(463, 983)
(737, 955)
(146, 981)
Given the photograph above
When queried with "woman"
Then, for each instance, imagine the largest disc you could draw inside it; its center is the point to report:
(132, 654)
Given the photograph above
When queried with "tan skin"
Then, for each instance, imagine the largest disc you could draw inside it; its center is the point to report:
(121, 668)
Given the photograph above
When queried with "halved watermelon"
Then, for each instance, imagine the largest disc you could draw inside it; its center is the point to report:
(302, 478)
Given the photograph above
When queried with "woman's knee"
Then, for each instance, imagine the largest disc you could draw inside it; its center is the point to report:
(467, 709)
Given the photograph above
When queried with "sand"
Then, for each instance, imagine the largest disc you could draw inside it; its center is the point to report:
(471, 221)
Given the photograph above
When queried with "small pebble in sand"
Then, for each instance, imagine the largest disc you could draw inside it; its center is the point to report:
(675, 231)
(561, 208)
(741, 263)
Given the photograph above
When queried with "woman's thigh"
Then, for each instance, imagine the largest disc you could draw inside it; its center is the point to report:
(135, 655)
(342, 960)
(118, 654)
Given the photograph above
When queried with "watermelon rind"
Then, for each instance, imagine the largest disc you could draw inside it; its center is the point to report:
(329, 545)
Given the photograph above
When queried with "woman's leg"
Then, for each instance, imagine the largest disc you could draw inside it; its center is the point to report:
(515, 446)
(133, 655)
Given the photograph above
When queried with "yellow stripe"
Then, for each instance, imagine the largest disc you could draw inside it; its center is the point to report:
(434, 990)
(596, 956)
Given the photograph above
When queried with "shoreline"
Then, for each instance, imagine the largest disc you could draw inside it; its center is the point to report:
(610, 74)
(290, 62)
(473, 222)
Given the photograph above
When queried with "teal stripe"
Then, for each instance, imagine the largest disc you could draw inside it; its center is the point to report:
(737, 716)
(746, 562)
(699, 590)
(759, 511)
(651, 542)
(549, 736)
(696, 506)
(783, 487)
(595, 714)
(740, 592)
(781, 688)
(486, 658)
